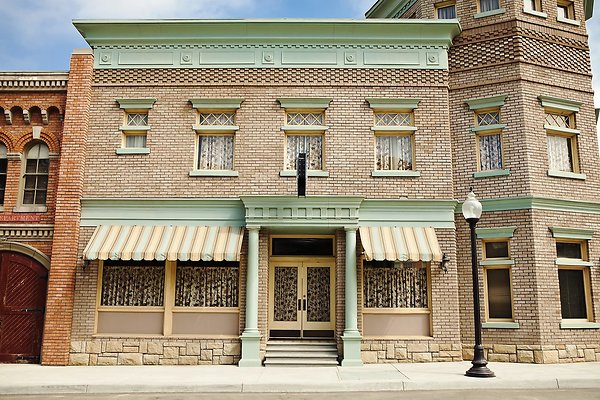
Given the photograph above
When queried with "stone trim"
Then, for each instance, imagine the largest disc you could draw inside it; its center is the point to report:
(538, 354)
(26, 232)
(54, 81)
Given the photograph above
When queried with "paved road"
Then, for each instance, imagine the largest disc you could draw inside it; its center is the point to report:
(579, 394)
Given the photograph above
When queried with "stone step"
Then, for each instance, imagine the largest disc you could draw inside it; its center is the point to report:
(301, 348)
(302, 354)
(303, 362)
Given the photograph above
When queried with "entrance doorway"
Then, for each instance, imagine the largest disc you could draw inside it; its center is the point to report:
(23, 285)
(301, 298)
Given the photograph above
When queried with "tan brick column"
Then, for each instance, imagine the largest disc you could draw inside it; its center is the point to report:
(61, 284)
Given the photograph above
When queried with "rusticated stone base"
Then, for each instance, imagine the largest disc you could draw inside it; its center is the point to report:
(155, 352)
(392, 351)
(547, 354)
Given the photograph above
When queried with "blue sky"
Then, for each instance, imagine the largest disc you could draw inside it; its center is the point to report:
(38, 35)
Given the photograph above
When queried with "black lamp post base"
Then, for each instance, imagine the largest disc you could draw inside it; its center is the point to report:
(480, 371)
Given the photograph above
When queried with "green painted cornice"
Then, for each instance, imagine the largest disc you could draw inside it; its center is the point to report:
(216, 104)
(393, 104)
(306, 102)
(571, 233)
(389, 8)
(270, 43)
(405, 212)
(561, 104)
(539, 203)
(136, 103)
(486, 102)
(496, 232)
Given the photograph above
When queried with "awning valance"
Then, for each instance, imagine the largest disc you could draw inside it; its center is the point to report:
(394, 243)
(171, 243)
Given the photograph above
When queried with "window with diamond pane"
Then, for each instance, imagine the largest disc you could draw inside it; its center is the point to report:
(218, 119)
(305, 119)
(488, 118)
(37, 166)
(393, 119)
(560, 120)
(137, 119)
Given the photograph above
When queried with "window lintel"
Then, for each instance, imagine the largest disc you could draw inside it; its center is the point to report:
(386, 104)
(559, 104)
(487, 102)
(571, 233)
(301, 103)
(502, 232)
(216, 104)
(136, 104)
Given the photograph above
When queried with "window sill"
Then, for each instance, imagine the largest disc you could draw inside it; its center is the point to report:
(536, 13)
(310, 173)
(214, 172)
(561, 129)
(568, 21)
(492, 127)
(500, 325)
(132, 150)
(304, 128)
(215, 128)
(394, 128)
(30, 209)
(573, 262)
(565, 174)
(566, 324)
(496, 262)
(394, 173)
(497, 11)
(134, 128)
(488, 174)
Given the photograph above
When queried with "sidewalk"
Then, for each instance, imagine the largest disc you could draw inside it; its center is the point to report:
(35, 379)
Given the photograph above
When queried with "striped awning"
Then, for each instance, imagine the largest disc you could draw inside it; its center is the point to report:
(394, 243)
(171, 243)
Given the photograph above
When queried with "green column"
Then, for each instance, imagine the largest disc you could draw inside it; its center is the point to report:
(251, 336)
(351, 337)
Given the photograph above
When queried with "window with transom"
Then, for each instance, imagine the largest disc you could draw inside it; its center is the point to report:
(135, 126)
(35, 179)
(216, 141)
(394, 149)
(217, 119)
(562, 145)
(574, 280)
(496, 263)
(489, 140)
(304, 134)
(135, 134)
(305, 119)
(3, 170)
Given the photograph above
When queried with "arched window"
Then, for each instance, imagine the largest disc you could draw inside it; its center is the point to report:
(37, 164)
(3, 168)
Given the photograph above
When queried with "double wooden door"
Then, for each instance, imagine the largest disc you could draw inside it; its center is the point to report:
(301, 299)
(23, 285)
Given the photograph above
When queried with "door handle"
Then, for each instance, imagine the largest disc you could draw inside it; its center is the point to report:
(299, 304)
(304, 304)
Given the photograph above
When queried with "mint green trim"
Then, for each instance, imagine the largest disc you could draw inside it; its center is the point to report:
(497, 232)
(416, 213)
(304, 128)
(136, 211)
(560, 104)
(390, 173)
(536, 13)
(561, 129)
(497, 11)
(393, 104)
(309, 173)
(485, 263)
(571, 233)
(214, 172)
(136, 103)
(573, 262)
(588, 6)
(215, 128)
(566, 324)
(250, 356)
(488, 127)
(393, 128)
(538, 203)
(487, 102)
(565, 174)
(488, 174)
(500, 325)
(132, 150)
(308, 102)
(568, 21)
(250, 350)
(216, 104)
(351, 339)
(134, 128)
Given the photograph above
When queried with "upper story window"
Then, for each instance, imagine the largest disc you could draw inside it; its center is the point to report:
(135, 126)
(305, 127)
(488, 5)
(561, 135)
(565, 10)
(215, 136)
(3, 170)
(37, 166)
(533, 5)
(394, 130)
(446, 10)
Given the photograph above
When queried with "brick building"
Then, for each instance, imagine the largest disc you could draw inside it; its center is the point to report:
(181, 238)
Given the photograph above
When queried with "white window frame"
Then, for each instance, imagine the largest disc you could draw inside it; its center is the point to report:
(134, 106)
(21, 207)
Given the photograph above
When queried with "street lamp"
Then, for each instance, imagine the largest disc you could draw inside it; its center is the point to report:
(471, 210)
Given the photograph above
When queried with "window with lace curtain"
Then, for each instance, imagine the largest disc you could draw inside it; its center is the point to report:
(304, 134)
(389, 284)
(562, 146)
(489, 140)
(135, 126)
(215, 148)
(135, 138)
(394, 149)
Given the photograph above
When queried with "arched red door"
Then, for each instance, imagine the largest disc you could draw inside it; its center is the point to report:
(23, 285)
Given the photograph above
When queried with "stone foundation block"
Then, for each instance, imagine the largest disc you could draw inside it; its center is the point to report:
(505, 348)
(498, 357)
(192, 349)
(231, 349)
(79, 359)
(151, 359)
(114, 347)
(188, 360)
(171, 352)
(129, 359)
(417, 347)
(206, 355)
(589, 354)
(550, 356)
(525, 356)
(169, 361)
(107, 361)
(369, 357)
(155, 348)
(421, 357)
(77, 347)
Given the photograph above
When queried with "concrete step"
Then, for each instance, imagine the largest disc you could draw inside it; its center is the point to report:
(303, 354)
(303, 362)
(301, 348)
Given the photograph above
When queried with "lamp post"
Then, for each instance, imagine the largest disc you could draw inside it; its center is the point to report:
(471, 210)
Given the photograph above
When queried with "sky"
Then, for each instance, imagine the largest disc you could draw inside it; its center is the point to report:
(37, 35)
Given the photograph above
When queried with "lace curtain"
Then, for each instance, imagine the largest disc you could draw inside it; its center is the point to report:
(448, 12)
(312, 145)
(394, 152)
(559, 153)
(132, 285)
(198, 285)
(136, 141)
(490, 152)
(215, 152)
(390, 287)
(488, 5)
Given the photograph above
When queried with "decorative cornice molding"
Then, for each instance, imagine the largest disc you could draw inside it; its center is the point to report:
(136, 103)
(393, 104)
(538, 203)
(216, 104)
(560, 104)
(54, 81)
(423, 213)
(571, 233)
(486, 102)
(305, 102)
(19, 232)
(496, 232)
